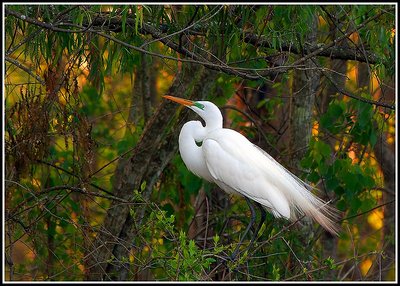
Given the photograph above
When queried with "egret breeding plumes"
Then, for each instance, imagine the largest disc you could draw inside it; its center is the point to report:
(238, 166)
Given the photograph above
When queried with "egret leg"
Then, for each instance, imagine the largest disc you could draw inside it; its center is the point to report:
(263, 216)
(252, 219)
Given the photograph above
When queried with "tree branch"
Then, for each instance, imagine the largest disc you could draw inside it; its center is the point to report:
(334, 52)
(349, 94)
(346, 35)
(246, 73)
(25, 69)
(191, 57)
(146, 29)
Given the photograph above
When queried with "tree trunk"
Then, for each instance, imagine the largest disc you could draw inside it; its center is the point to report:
(146, 91)
(329, 241)
(386, 159)
(168, 147)
(305, 84)
(115, 235)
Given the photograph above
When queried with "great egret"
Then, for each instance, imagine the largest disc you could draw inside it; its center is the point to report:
(238, 166)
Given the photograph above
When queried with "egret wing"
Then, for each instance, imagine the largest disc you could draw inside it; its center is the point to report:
(236, 163)
(230, 158)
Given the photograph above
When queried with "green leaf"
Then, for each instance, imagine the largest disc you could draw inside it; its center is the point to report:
(123, 19)
(215, 239)
(339, 190)
(313, 177)
(261, 231)
(368, 181)
(307, 162)
(341, 205)
(333, 119)
(332, 183)
(355, 204)
(367, 204)
(209, 261)
(330, 262)
(373, 138)
(351, 182)
(192, 247)
(143, 186)
(275, 273)
(323, 148)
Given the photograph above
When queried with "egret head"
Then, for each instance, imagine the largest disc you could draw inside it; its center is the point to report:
(205, 109)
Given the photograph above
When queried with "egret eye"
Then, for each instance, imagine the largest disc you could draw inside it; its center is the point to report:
(199, 105)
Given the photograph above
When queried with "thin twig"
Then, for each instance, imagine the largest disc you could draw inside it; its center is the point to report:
(74, 175)
(25, 69)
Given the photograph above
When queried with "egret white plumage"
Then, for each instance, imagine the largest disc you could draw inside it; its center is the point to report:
(238, 166)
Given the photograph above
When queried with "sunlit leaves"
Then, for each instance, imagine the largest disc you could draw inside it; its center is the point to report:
(189, 262)
(354, 120)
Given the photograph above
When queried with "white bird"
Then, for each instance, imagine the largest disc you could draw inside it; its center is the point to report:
(237, 166)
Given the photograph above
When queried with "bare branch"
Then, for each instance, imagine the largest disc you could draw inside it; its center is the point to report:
(333, 52)
(349, 94)
(25, 69)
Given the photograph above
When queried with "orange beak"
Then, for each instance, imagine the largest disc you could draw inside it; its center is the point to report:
(182, 101)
